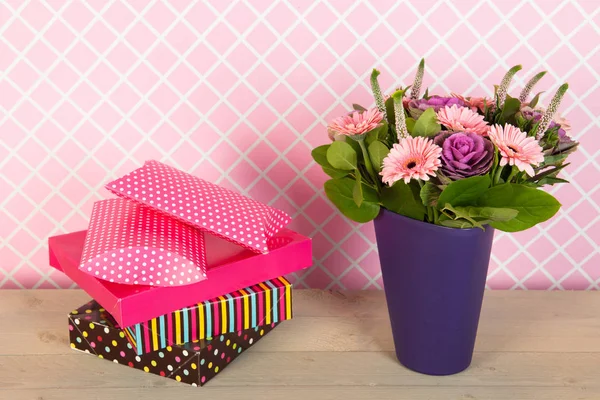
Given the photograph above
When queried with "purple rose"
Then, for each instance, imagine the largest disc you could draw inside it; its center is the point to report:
(416, 107)
(465, 154)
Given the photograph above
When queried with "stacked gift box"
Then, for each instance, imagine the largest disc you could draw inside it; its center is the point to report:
(185, 275)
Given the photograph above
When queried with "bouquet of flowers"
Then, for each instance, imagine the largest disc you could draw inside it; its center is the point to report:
(455, 161)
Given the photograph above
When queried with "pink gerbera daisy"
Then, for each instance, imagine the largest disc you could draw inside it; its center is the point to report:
(475, 103)
(462, 119)
(516, 148)
(356, 123)
(412, 158)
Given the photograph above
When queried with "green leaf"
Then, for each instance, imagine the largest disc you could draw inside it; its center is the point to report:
(458, 217)
(550, 180)
(430, 193)
(382, 134)
(444, 180)
(464, 192)
(357, 192)
(480, 216)
(486, 213)
(534, 205)
(335, 173)
(410, 124)
(354, 144)
(400, 199)
(358, 107)
(340, 193)
(389, 109)
(319, 154)
(554, 159)
(427, 124)
(567, 147)
(377, 152)
(456, 223)
(511, 107)
(379, 133)
(550, 138)
(535, 100)
(521, 122)
(341, 155)
(552, 172)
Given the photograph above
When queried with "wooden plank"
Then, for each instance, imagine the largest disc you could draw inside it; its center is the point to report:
(44, 333)
(314, 392)
(510, 322)
(531, 305)
(298, 369)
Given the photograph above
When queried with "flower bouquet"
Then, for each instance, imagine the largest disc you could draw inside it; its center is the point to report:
(438, 174)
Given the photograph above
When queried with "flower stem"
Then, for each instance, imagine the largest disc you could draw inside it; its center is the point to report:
(499, 170)
(436, 216)
(430, 210)
(514, 170)
(368, 164)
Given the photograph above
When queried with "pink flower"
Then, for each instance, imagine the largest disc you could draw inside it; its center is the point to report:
(516, 148)
(412, 158)
(480, 103)
(475, 103)
(564, 124)
(355, 123)
(462, 119)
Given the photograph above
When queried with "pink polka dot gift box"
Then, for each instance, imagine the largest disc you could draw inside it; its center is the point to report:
(201, 204)
(171, 239)
(132, 244)
(93, 331)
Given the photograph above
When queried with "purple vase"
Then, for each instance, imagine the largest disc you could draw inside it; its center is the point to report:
(434, 278)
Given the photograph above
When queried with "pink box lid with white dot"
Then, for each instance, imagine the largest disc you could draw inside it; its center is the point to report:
(204, 205)
(132, 244)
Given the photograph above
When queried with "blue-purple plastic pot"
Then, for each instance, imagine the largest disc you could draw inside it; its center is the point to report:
(434, 279)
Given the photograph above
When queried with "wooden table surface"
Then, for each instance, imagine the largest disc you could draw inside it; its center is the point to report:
(531, 345)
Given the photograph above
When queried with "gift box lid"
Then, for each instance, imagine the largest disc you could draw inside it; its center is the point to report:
(201, 204)
(229, 268)
(262, 304)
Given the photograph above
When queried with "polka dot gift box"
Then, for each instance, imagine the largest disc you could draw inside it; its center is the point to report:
(202, 204)
(92, 330)
(136, 245)
(170, 240)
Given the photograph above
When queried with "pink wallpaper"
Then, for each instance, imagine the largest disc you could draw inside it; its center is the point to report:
(239, 92)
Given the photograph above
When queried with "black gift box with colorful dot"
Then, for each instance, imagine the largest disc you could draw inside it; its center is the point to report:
(94, 331)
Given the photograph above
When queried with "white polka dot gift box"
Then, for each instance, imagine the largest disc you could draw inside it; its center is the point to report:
(171, 240)
(202, 204)
(132, 244)
(93, 331)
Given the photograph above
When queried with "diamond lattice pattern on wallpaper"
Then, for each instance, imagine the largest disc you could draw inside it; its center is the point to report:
(239, 92)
